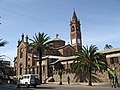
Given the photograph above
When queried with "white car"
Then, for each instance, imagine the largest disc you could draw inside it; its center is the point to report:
(27, 80)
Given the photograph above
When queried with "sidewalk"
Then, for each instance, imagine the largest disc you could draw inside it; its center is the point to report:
(107, 84)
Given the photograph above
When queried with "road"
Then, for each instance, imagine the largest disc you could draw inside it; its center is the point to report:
(59, 87)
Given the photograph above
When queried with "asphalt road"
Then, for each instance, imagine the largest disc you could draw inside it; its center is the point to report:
(58, 87)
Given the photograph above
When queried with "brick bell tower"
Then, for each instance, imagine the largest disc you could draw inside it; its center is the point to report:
(75, 33)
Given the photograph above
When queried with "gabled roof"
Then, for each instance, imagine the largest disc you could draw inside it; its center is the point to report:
(64, 46)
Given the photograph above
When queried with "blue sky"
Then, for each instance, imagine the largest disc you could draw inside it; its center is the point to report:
(100, 21)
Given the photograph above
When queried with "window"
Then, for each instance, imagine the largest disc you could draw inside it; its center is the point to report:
(72, 29)
(51, 43)
(71, 65)
(67, 53)
(21, 53)
(28, 59)
(27, 77)
(32, 77)
(114, 60)
(111, 61)
(20, 69)
(24, 77)
(77, 28)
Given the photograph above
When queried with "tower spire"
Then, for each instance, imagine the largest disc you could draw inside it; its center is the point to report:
(74, 17)
(75, 32)
(22, 37)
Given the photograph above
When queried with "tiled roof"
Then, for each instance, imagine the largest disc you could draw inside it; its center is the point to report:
(64, 46)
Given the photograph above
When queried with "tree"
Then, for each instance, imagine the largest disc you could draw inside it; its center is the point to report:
(88, 62)
(40, 45)
(107, 46)
(2, 43)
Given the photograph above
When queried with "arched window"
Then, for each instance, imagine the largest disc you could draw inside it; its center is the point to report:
(21, 53)
(77, 28)
(72, 29)
(20, 69)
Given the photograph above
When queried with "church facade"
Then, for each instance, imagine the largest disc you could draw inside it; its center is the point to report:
(26, 61)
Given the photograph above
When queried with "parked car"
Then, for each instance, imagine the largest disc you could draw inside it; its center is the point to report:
(27, 80)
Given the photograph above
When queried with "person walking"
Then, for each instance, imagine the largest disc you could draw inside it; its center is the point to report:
(68, 79)
(18, 83)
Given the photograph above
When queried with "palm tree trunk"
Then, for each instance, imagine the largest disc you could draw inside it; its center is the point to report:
(90, 79)
(40, 66)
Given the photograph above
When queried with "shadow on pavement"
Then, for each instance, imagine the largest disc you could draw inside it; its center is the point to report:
(45, 88)
(40, 87)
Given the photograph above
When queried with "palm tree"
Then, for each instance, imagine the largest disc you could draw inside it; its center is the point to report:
(88, 62)
(107, 46)
(2, 43)
(40, 45)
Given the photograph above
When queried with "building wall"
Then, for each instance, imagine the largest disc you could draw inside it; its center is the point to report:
(21, 58)
(113, 60)
(67, 51)
(26, 63)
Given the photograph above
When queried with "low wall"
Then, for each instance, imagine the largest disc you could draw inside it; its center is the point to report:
(102, 77)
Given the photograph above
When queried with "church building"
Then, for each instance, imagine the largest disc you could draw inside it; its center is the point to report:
(26, 61)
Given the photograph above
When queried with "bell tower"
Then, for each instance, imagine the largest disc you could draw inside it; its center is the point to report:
(75, 33)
